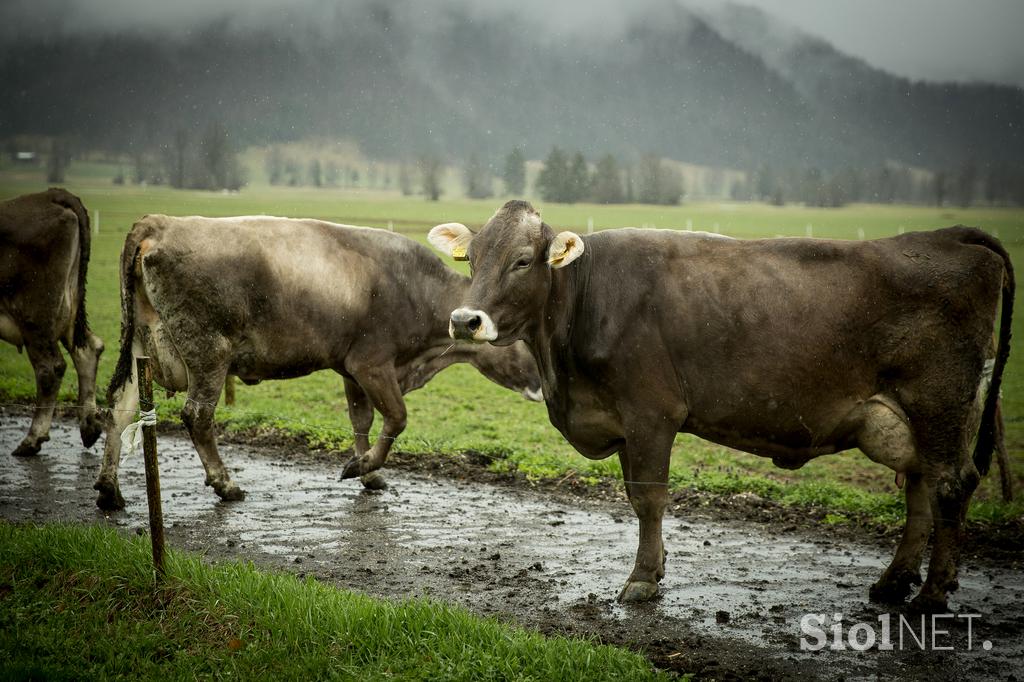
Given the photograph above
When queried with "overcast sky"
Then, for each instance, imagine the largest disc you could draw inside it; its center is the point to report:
(930, 39)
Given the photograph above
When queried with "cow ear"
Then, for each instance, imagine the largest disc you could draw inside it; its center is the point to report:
(564, 249)
(452, 239)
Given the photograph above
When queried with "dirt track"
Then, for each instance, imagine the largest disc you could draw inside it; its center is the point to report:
(549, 561)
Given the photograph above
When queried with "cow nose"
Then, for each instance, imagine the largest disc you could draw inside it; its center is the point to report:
(465, 323)
(472, 325)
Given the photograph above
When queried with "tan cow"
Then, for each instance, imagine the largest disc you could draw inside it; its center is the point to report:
(273, 298)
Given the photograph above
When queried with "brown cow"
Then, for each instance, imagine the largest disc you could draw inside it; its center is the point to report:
(273, 298)
(785, 348)
(44, 260)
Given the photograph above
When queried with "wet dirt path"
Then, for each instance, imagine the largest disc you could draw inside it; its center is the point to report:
(732, 599)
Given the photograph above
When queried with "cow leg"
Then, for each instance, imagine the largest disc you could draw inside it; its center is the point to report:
(950, 492)
(86, 359)
(905, 569)
(197, 415)
(360, 413)
(123, 413)
(884, 435)
(48, 365)
(644, 460)
(381, 386)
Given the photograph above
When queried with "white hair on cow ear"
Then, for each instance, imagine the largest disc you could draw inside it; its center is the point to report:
(564, 249)
(452, 239)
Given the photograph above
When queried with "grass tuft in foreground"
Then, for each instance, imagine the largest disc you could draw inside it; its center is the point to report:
(79, 603)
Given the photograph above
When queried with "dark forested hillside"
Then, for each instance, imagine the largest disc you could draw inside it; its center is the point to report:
(916, 123)
(457, 82)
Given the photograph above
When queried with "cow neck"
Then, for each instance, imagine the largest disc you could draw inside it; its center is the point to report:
(442, 294)
(553, 344)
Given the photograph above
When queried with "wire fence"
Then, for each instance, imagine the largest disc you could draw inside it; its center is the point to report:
(428, 445)
(222, 409)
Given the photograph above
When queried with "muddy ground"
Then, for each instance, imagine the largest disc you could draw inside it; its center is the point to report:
(551, 558)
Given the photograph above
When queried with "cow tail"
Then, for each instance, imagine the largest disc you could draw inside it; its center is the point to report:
(1003, 457)
(123, 369)
(63, 198)
(990, 435)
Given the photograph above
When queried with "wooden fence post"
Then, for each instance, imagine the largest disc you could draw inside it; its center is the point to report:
(229, 390)
(156, 516)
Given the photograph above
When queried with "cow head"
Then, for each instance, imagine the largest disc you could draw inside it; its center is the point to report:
(511, 260)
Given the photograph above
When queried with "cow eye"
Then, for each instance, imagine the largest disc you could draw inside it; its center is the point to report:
(521, 263)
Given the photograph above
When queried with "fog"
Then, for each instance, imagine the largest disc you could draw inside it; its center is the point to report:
(927, 39)
(922, 39)
(53, 18)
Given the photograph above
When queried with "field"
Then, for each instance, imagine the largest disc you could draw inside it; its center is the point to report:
(460, 410)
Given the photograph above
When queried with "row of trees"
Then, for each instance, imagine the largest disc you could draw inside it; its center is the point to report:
(564, 178)
(425, 174)
(209, 161)
(890, 183)
(283, 168)
(568, 178)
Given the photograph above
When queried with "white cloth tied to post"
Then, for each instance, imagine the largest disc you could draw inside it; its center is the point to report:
(131, 437)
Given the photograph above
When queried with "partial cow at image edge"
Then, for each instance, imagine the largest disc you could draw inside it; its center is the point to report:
(45, 243)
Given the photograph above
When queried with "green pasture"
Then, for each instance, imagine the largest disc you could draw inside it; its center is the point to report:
(460, 410)
(78, 603)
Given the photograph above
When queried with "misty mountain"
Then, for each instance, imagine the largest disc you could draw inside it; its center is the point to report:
(917, 123)
(731, 89)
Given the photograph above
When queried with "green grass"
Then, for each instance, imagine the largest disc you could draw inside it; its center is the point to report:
(79, 602)
(460, 410)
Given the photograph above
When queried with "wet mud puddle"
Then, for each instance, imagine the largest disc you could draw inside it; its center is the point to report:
(732, 598)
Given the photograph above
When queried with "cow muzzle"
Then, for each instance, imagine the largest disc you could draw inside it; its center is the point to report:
(467, 324)
(535, 395)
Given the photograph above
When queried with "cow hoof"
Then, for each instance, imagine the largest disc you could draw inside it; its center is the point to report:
(230, 493)
(927, 604)
(90, 431)
(27, 449)
(109, 498)
(637, 591)
(353, 468)
(893, 590)
(374, 481)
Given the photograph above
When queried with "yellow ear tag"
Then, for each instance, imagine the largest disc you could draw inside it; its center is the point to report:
(558, 258)
(459, 253)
